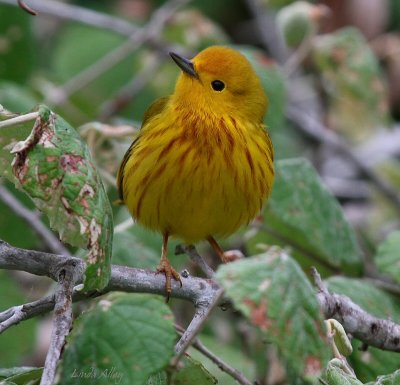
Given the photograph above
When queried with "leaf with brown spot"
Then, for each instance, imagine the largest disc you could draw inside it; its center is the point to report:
(54, 167)
(274, 294)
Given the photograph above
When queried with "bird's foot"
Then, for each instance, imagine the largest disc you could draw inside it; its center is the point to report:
(169, 272)
(232, 255)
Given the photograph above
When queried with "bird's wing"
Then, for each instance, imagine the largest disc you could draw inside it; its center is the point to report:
(155, 108)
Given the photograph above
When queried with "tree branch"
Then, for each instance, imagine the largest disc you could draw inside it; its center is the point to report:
(380, 333)
(197, 290)
(383, 334)
(62, 319)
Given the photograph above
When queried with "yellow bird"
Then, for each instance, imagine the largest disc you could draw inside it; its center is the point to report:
(202, 163)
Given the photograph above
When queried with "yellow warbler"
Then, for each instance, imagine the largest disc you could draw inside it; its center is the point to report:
(202, 163)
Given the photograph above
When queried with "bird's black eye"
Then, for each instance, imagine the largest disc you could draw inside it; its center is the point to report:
(217, 85)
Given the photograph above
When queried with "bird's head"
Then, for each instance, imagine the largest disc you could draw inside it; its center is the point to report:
(220, 80)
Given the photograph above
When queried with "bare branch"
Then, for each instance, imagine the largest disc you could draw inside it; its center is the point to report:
(49, 239)
(203, 293)
(203, 310)
(34, 262)
(383, 334)
(16, 314)
(197, 290)
(62, 319)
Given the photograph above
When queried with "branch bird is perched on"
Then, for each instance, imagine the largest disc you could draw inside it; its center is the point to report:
(202, 163)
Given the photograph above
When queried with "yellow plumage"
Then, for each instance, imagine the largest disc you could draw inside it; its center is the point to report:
(202, 164)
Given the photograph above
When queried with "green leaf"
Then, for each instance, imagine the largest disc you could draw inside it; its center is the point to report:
(273, 292)
(130, 250)
(373, 362)
(54, 167)
(16, 97)
(190, 371)
(229, 353)
(337, 374)
(389, 379)
(21, 375)
(297, 23)
(125, 338)
(303, 213)
(387, 257)
(194, 372)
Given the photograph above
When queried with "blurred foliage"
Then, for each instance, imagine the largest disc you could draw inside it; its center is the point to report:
(358, 95)
(345, 79)
(19, 341)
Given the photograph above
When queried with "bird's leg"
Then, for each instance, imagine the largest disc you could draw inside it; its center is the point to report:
(226, 256)
(166, 268)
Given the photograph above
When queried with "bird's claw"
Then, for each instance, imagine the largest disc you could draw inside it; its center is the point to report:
(169, 272)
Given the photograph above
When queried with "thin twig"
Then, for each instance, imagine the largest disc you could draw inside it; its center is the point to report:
(49, 239)
(223, 366)
(123, 226)
(62, 320)
(79, 14)
(137, 39)
(26, 8)
(192, 252)
(19, 120)
(203, 310)
(295, 59)
(19, 313)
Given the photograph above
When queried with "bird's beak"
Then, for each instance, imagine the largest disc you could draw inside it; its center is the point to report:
(184, 64)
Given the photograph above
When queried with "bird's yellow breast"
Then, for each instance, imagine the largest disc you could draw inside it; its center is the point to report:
(194, 176)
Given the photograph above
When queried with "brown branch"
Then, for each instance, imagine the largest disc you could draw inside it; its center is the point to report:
(62, 319)
(383, 334)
